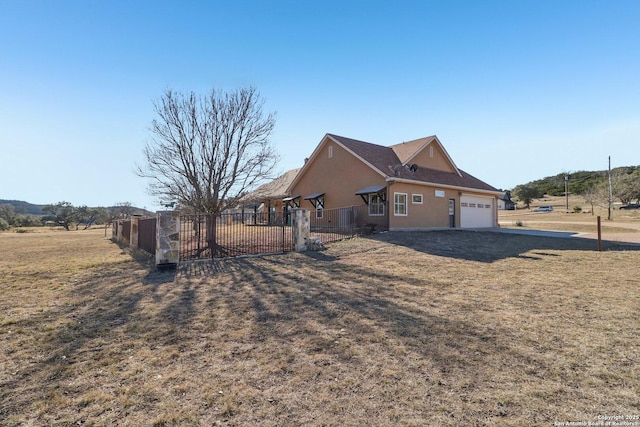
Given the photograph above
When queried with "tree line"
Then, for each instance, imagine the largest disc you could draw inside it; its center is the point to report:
(64, 214)
(593, 186)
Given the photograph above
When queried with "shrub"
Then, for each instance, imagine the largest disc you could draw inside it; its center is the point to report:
(519, 224)
(4, 225)
(577, 209)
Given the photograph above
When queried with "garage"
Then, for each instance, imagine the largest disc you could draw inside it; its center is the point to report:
(477, 211)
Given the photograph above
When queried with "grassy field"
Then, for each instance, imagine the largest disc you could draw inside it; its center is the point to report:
(445, 328)
(624, 225)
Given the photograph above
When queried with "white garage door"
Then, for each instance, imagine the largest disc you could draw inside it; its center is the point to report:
(476, 212)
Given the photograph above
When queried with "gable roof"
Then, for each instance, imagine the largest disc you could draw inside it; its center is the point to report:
(378, 156)
(407, 150)
(392, 163)
(276, 189)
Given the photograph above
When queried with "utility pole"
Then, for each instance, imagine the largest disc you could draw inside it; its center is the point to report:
(610, 191)
(566, 190)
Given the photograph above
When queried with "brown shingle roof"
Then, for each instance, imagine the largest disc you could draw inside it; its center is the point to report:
(384, 159)
(435, 176)
(377, 155)
(276, 189)
(406, 150)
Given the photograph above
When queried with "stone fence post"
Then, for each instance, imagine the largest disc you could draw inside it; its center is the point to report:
(300, 224)
(133, 238)
(167, 239)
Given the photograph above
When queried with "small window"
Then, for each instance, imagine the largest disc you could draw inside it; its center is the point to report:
(320, 207)
(416, 199)
(464, 204)
(330, 151)
(431, 151)
(400, 204)
(487, 206)
(376, 205)
(472, 205)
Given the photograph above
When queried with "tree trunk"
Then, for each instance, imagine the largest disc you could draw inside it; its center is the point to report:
(211, 236)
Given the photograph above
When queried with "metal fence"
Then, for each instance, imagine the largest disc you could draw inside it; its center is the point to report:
(126, 230)
(147, 234)
(233, 234)
(330, 225)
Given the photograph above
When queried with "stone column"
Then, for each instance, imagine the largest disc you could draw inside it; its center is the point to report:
(133, 240)
(168, 239)
(300, 223)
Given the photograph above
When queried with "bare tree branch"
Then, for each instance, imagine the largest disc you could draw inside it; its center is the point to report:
(205, 151)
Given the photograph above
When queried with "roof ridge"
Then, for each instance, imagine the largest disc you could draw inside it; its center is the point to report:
(413, 140)
(356, 140)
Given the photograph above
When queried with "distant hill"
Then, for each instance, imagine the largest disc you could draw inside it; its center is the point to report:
(26, 208)
(578, 182)
(23, 208)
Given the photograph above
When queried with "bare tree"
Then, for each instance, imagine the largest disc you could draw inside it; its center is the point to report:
(597, 195)
(123, 209)
(208, 150)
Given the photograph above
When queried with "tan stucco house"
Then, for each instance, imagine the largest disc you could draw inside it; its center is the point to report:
(407, 186)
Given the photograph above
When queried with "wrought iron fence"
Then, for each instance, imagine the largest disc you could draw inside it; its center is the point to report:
(330, 225)
(233, 234)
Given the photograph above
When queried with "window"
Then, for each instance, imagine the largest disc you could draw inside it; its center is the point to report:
(320, 207)
(330, 151)
(416, 199)
(376, 205)
(431, 151)
(400, 204)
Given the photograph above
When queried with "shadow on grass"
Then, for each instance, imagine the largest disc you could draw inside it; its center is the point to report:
(491, 246)
(90, 325)
(294, 300)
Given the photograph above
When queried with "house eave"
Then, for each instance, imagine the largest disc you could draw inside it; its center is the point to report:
(448, 186)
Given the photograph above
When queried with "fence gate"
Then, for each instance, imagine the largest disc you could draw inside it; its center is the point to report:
(234, 234)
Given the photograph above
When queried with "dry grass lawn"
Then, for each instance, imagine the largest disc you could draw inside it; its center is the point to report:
(436, 328)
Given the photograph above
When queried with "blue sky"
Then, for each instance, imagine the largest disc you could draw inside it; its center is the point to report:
(515, 90)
